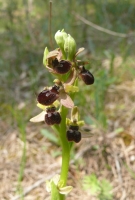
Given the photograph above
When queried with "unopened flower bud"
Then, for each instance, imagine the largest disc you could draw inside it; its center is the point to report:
(64, 34)
(60, 37)
(70, 47)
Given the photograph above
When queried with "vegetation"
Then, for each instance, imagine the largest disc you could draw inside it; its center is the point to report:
(104, 106)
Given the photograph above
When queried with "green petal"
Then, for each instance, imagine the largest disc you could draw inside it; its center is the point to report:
(71, 88)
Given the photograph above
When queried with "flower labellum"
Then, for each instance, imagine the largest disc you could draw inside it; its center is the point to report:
(86, 76)
(52, 116)
(47, 97)
(61, 67)
(73, 134)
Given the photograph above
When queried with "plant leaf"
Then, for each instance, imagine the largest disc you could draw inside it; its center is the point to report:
(50, 136)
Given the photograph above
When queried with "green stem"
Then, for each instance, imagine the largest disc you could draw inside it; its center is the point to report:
(65, 156)
(65, 148)
(65, 151)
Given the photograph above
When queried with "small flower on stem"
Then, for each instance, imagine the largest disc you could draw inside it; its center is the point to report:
(52, 116)
(48, 96)
(86, 76)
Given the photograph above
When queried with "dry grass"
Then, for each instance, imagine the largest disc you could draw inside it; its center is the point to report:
(41, 164)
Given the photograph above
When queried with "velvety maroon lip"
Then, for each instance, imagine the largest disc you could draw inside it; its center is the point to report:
(86, 76)
(47, 97)
(73, 134)
(61, 67)
(52, 116)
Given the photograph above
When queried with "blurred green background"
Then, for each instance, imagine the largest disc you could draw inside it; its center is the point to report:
(24, 34)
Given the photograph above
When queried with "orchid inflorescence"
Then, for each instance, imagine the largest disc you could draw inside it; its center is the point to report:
(62, 63)
(57, 100)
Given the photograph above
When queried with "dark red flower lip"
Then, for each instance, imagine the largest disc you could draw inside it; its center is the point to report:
(86, 76)
(73, 134)
(52, 117)
(48, 96)
(62, 66)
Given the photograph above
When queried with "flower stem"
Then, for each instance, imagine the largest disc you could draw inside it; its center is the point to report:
(65, 150)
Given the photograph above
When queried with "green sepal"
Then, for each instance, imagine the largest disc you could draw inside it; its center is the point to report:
(45, 56)
(60, 37)
(64, 34)
(70, 47)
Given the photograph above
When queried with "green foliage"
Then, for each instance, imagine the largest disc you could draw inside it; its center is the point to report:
(103, 81)
(21, 124)
(24, 33)
(91, 182)
(102, 189)
(50, 136)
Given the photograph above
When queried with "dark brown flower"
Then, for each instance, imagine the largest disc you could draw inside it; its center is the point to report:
(86, 76)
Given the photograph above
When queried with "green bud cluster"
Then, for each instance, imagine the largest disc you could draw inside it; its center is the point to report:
(67, 44)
